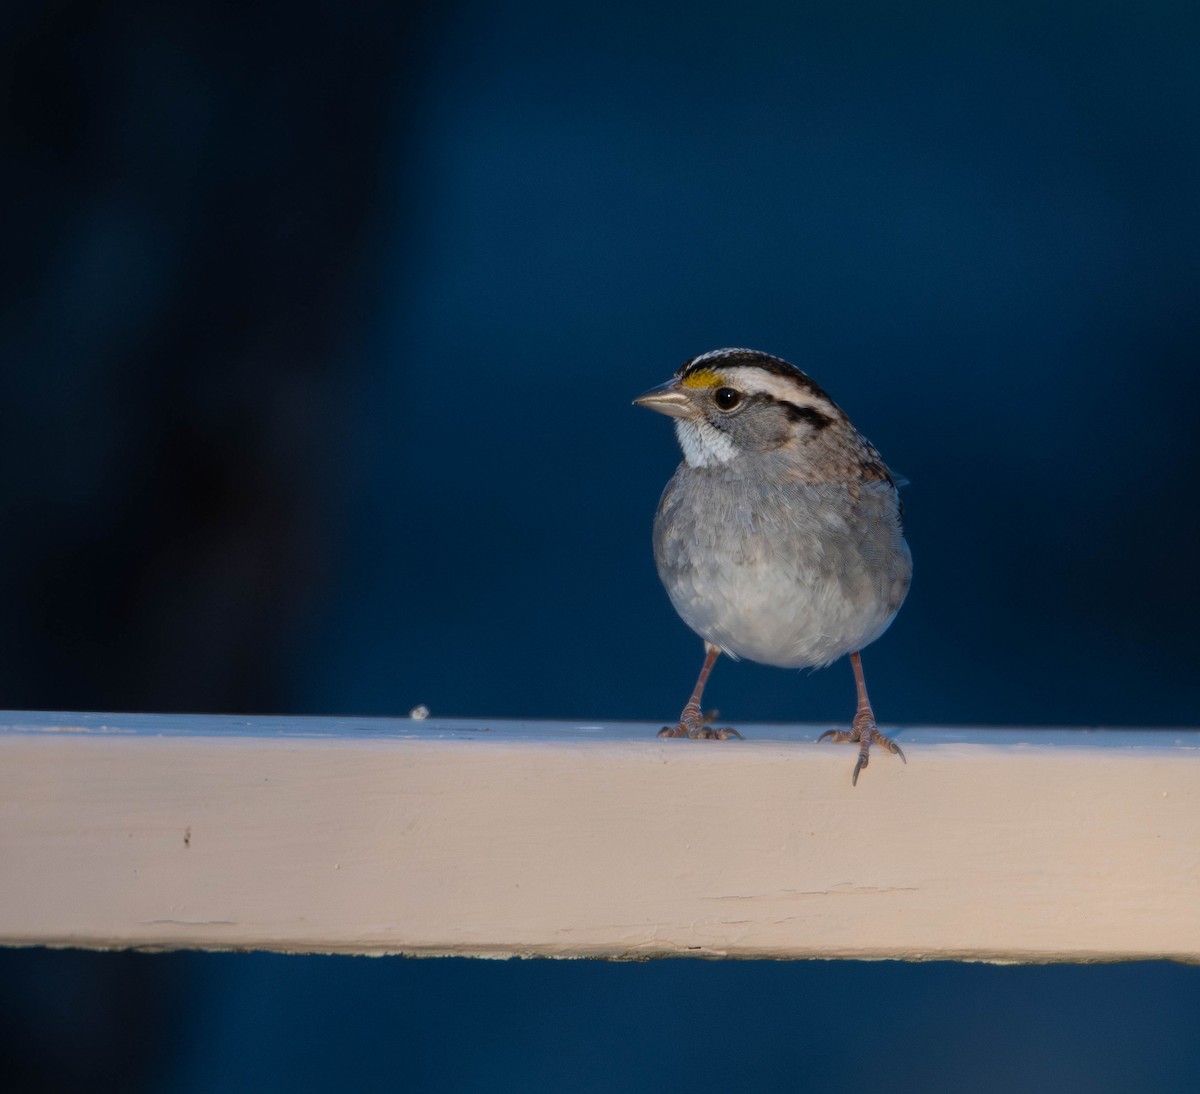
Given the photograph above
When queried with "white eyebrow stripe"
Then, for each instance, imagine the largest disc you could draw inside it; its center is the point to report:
(757, 381)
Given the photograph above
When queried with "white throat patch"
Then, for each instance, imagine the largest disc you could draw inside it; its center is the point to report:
(703, 446)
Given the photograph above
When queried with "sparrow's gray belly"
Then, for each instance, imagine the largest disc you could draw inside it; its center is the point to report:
(783, 574)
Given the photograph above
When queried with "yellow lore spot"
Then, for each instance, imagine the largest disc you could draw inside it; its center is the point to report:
(702, 377)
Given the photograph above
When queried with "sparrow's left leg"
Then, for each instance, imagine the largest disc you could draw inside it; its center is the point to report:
(863, 730)
(693, 723)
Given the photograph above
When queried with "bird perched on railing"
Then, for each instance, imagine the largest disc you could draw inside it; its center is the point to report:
(779, 538)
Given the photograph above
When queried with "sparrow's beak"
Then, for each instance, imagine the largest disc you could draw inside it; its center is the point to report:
(669, 399)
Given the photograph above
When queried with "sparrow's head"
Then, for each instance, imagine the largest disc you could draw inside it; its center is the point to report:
(732, 402)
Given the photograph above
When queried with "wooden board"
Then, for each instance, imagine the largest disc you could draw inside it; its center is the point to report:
(498, 838)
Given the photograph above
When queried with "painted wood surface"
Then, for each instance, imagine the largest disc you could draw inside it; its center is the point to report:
(499, 838)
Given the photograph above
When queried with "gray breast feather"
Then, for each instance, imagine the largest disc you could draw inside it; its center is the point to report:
(780, 572)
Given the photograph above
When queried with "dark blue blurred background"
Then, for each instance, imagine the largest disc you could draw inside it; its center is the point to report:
(319, 327)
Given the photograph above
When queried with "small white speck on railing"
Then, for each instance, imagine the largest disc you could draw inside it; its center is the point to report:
(419, 713)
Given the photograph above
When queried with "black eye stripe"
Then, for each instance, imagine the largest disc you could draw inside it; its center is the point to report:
(728, 398)
(809, 414)
(796, 413)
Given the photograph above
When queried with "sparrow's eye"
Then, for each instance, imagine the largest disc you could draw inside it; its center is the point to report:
(727, 398)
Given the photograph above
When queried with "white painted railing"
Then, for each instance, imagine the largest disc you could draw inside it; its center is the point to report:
(487, 837)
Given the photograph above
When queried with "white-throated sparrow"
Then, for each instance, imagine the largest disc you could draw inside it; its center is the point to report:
(779, 537)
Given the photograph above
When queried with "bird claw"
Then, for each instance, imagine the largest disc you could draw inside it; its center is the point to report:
(889, 744)
(863, 733)
(838, 736)
(700, 731)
